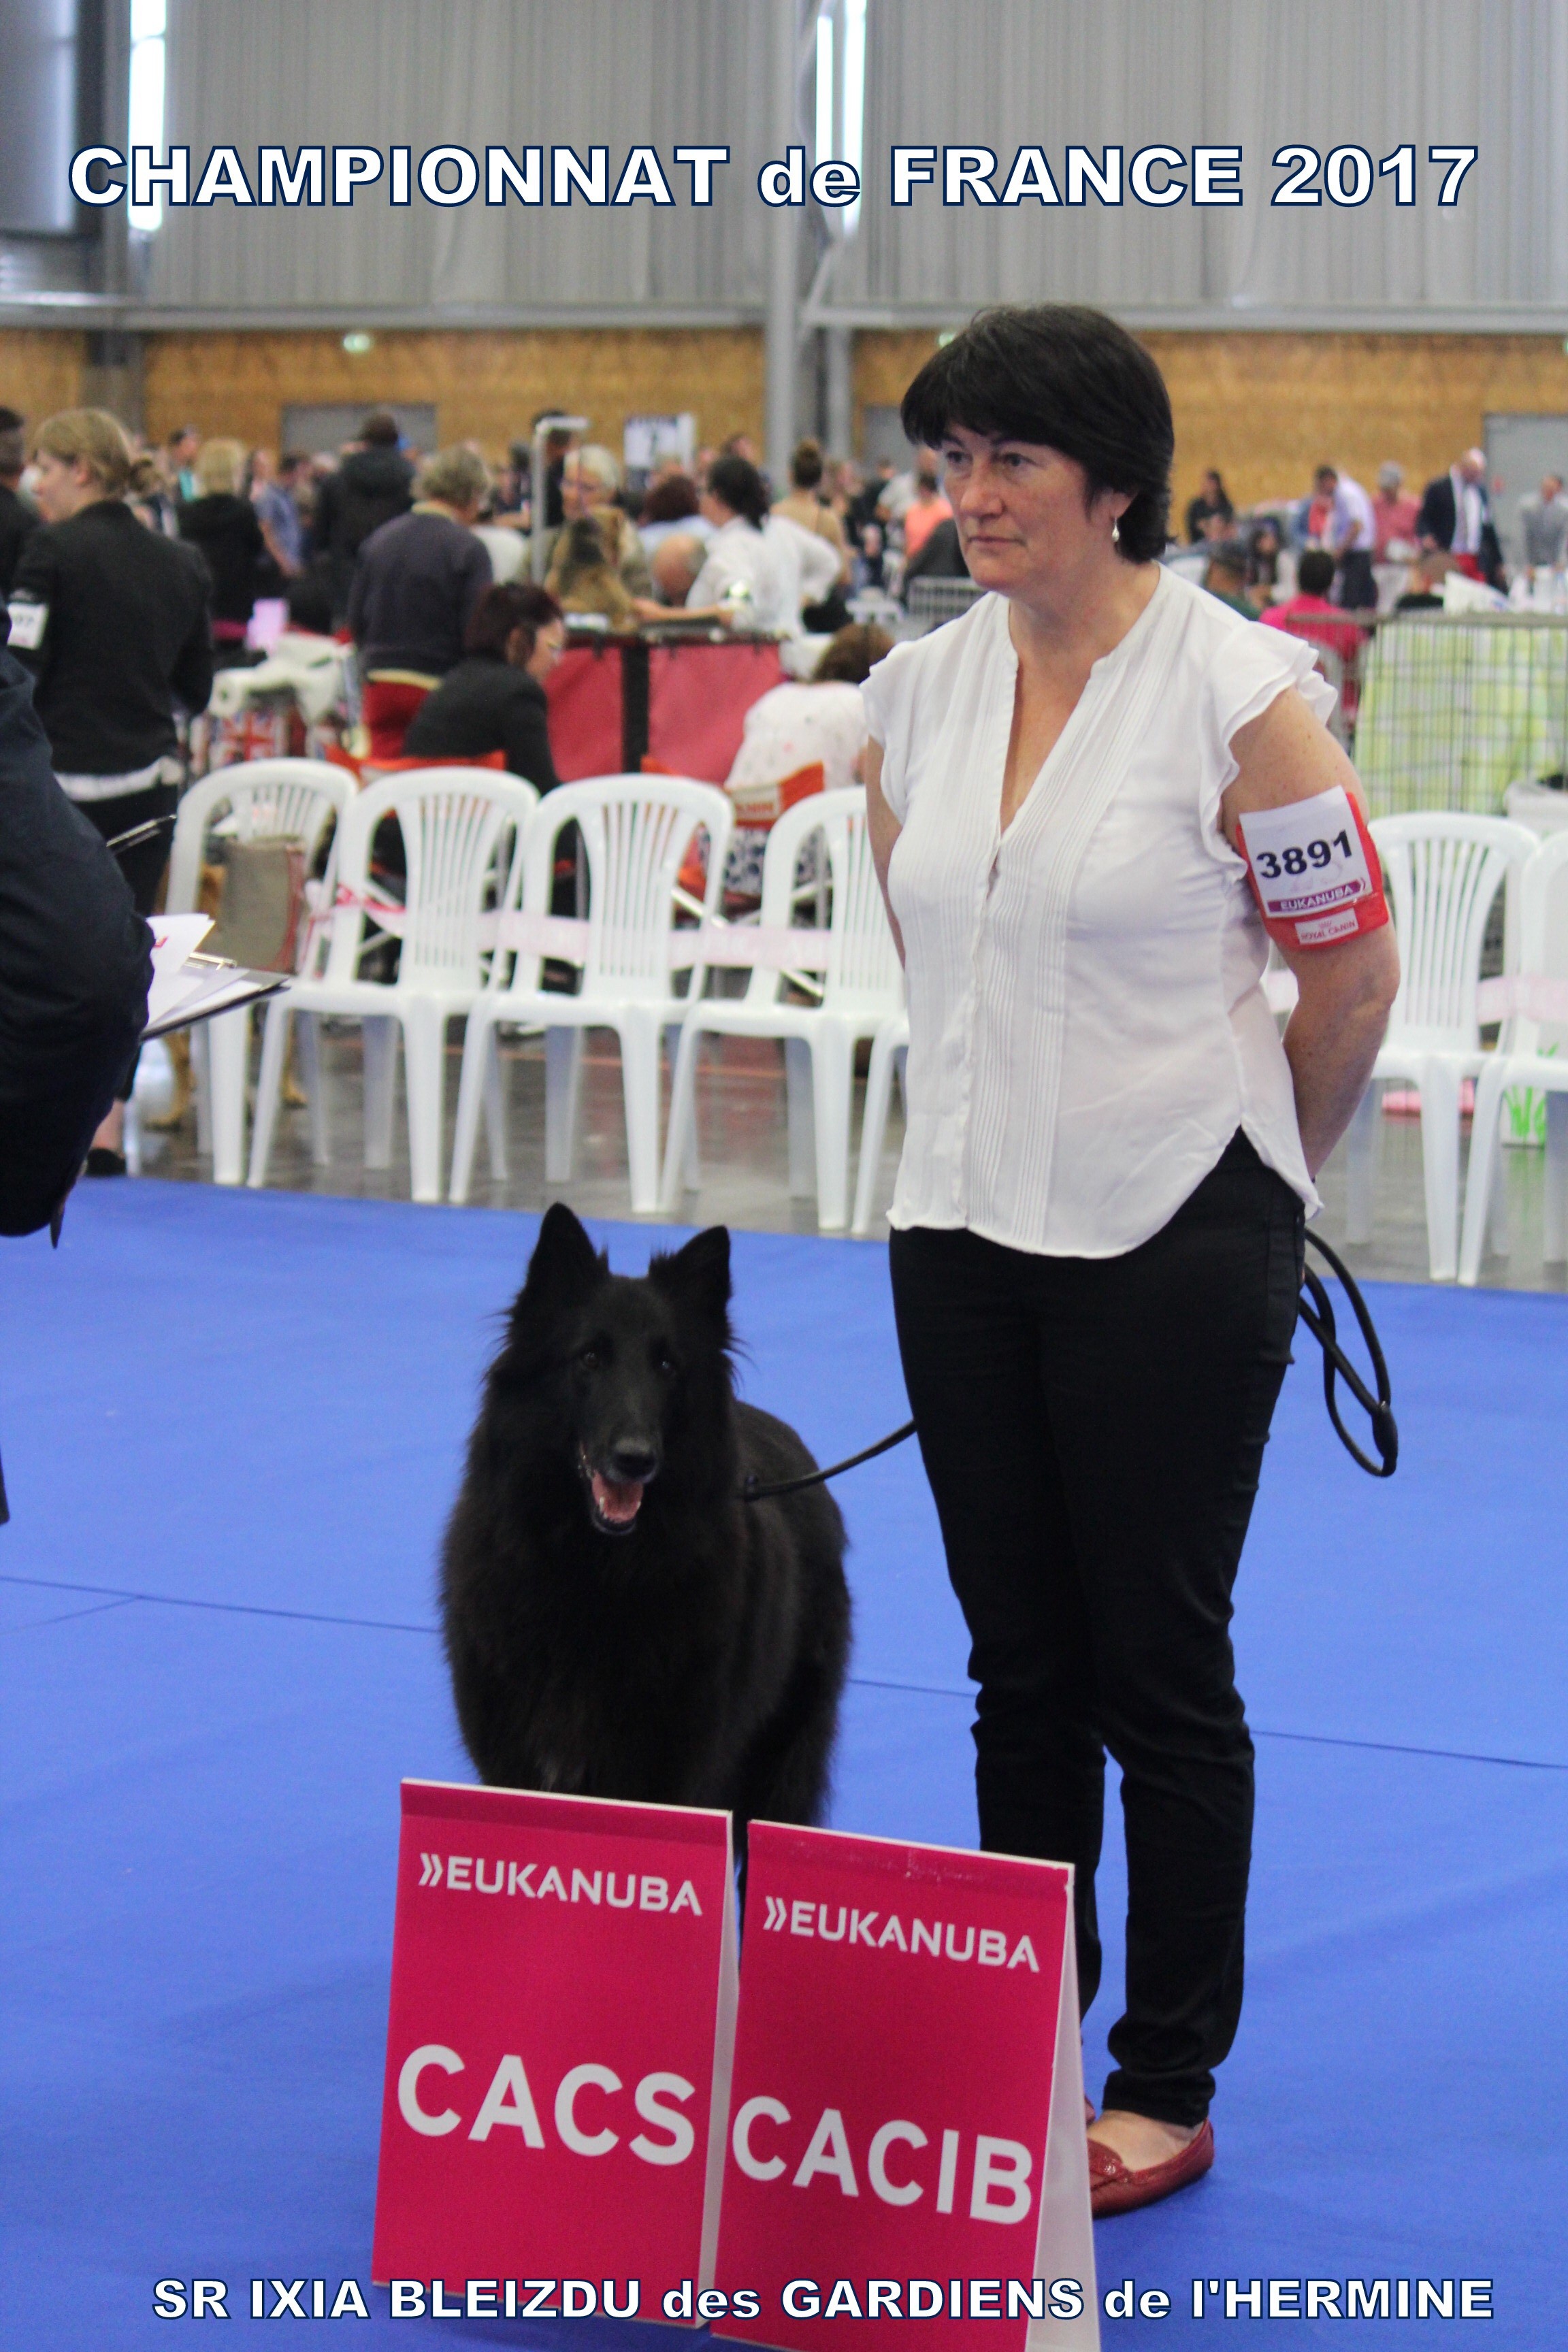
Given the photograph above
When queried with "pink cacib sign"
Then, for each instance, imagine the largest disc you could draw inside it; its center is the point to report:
(907, 2130)
(558, 2050)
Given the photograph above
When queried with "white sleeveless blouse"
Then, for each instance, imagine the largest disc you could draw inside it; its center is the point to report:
(1088, 1028)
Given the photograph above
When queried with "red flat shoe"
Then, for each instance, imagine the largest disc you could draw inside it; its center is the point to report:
(1114, 2189)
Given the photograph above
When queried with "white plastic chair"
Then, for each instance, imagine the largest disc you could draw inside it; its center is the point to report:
(456, 824)
(264, 800)
(1442, 870)
(636, 833)
(863, 985)
(891, 1041)
(1522, 1060)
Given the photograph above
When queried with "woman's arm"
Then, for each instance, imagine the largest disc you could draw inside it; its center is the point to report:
(1346, 991)
(885, 829)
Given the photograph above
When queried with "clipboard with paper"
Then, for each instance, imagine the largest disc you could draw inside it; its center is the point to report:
(187, 986)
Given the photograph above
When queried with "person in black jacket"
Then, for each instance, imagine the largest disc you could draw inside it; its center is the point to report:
(1457, 517)
(75, 964)
(941, 558)
(373, 485)
(494, 699)
(113, 620)
(18, 521)
(228, 530)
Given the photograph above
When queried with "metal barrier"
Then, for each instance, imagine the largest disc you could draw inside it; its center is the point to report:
(933, 602)
(1454, 708)
(1337, 646)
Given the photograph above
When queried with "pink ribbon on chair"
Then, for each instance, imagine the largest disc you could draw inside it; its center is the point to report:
(734, 946)
(1534, 994)
(743, 945)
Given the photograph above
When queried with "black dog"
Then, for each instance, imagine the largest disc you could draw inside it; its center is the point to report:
(618, 1621)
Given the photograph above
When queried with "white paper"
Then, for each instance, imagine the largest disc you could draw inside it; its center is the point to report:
(1307, 858)
(29, 621)
(183, 991)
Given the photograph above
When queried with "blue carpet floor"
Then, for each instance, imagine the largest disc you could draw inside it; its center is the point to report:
(232, 1426)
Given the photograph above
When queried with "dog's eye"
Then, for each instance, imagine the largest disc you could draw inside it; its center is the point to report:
(590, 1360)
(664, 1363)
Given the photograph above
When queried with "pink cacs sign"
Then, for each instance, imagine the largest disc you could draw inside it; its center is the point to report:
(559, 2046)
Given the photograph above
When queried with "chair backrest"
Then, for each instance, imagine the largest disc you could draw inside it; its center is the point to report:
(862, 963)
(457, 827)
(636, 833)
(267, 800)
(1443, 869)
(1543, 935)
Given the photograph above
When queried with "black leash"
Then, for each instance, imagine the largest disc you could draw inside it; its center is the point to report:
(1319, 1318)
(752, 1493)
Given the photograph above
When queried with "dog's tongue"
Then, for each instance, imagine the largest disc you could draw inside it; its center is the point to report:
(619, 1504)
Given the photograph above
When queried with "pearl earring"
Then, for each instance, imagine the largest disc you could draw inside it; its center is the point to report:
(1116, 534)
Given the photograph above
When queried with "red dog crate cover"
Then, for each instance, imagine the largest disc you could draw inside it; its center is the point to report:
(698, 700)
(583, 695)
(559, 2043)
(907, 2105)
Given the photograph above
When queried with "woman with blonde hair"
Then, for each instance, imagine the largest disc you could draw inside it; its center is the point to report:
(111, 619)
(223, 525)
(583, 579)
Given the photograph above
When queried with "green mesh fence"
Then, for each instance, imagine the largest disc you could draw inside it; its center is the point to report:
(1453, 711)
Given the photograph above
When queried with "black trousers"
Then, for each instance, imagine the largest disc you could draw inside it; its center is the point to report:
(1093, 1429)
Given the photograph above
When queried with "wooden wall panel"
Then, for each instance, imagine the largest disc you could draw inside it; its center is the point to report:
(1266, 409)
(487, 387)
(41, 371)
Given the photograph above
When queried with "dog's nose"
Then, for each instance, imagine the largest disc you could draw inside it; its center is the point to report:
(632, 1462)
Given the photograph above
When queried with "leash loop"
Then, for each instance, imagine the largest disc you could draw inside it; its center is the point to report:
(1319, 1318)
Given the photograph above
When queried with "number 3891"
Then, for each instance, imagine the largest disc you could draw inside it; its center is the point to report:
(1299, 857)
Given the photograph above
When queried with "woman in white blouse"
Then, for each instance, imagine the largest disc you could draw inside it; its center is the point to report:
(745, 577)
(1097, 1224)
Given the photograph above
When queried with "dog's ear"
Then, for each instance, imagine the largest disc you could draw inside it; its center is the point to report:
(565, 1261)
(698, 1274)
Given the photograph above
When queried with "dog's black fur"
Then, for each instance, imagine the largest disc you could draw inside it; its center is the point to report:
(618, 1621)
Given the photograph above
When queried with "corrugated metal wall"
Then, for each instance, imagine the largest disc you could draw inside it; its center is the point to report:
(1001, 73)
(466, 73)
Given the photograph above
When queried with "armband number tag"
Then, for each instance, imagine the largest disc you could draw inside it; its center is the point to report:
(29, 621)
(1313, 870)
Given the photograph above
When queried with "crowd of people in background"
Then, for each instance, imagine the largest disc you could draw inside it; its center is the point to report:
(135, 577)
(1363, 531)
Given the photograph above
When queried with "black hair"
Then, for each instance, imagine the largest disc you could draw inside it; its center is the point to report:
(509, 604)
(1315, 571)
(1069, 379)
(379, 430)
(737, 481)
(671, 500)
(806, 465)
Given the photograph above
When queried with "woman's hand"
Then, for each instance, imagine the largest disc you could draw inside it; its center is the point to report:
(1347, 989)
(885, 829)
